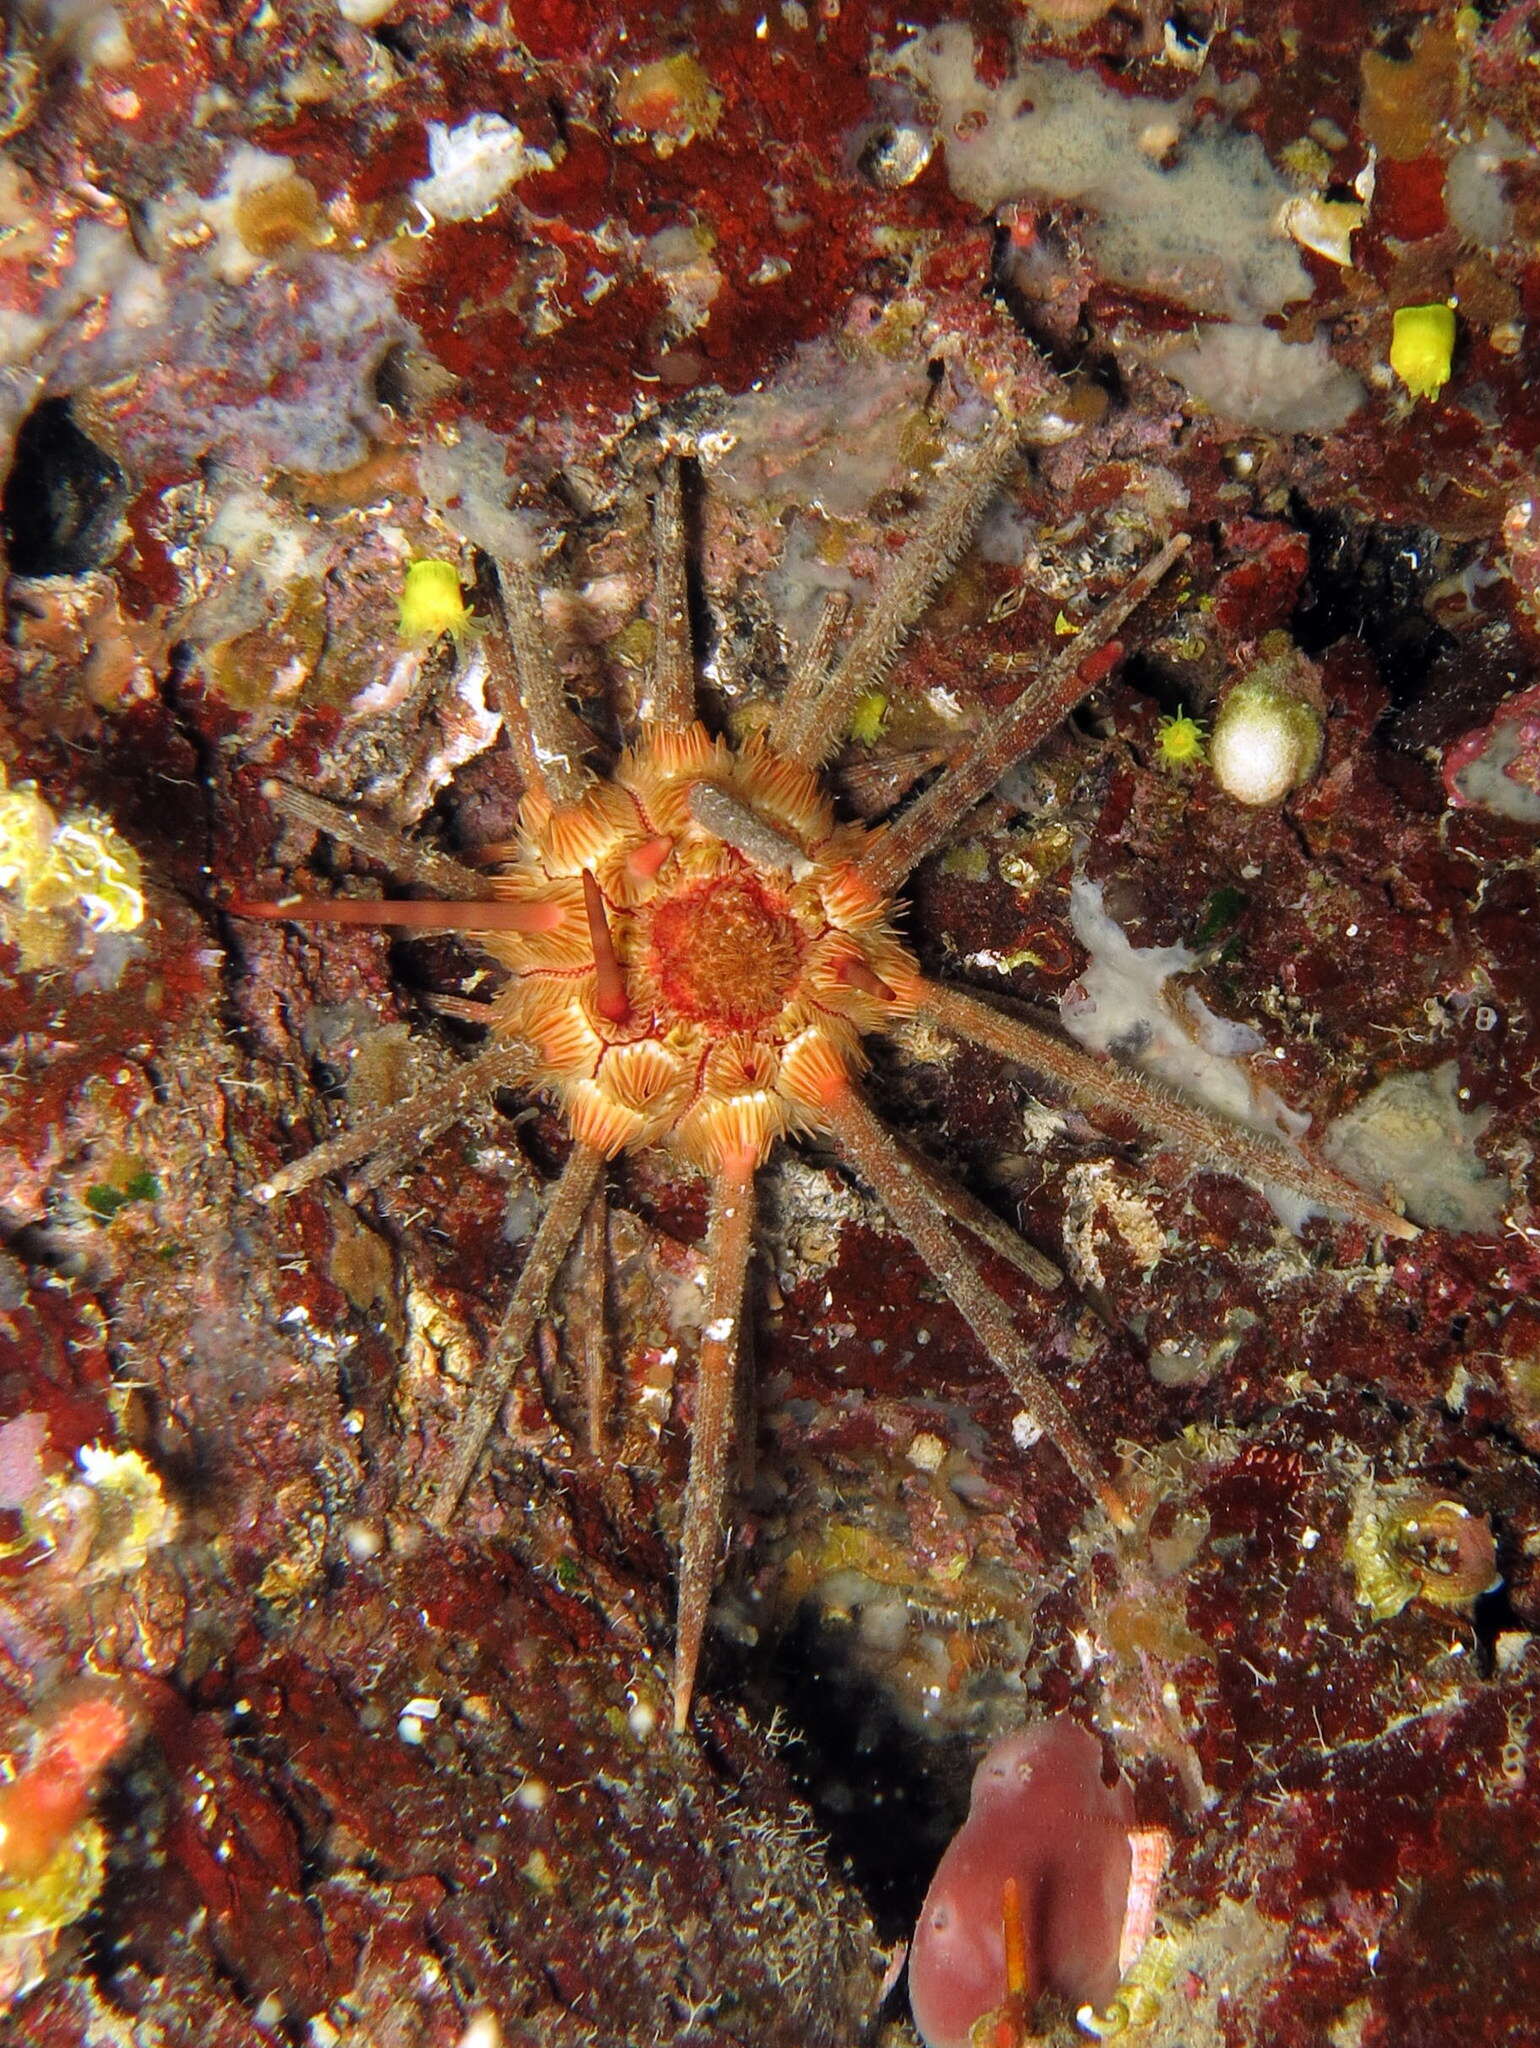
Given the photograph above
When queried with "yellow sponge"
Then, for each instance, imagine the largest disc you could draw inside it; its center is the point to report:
(1422, 347)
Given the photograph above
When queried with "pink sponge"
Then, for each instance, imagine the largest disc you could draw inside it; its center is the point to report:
(1042, 1864)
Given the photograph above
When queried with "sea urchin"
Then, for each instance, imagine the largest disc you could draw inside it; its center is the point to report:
(696, 948)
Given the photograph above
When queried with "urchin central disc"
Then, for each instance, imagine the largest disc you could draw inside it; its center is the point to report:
(724, 952)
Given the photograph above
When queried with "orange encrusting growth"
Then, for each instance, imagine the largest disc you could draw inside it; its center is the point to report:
(51, 1795)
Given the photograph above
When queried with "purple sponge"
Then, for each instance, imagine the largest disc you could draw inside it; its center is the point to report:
(1040, 1814)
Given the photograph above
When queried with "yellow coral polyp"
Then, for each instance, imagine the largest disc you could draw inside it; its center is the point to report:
(43, 1901)
(432, 603)
(26, 832)
(91, 868)
(55, 869)
(1422, 347)
(1180, 741)
(868, 718)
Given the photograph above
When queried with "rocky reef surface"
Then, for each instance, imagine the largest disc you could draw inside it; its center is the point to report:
(292, 297)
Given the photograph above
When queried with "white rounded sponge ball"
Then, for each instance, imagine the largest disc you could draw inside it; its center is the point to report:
(1267, 734)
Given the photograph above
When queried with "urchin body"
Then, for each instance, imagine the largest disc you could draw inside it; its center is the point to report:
(696, 947)
(689, 990)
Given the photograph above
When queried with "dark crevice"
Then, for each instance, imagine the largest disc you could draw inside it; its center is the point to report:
(1494, 1615)
(400, 38)
(888, 1797)
(1371, 583)
(62, 501)
(1146, 677)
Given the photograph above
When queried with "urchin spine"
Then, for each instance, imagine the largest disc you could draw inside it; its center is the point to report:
(552, 1241)
(1207, 1140)
(670, 702)
(729, 1241)
(1024, 724)
(814, 727)
(881, 1163)
(417, 1120)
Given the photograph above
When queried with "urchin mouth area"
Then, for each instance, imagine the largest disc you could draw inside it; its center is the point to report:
(724, 952)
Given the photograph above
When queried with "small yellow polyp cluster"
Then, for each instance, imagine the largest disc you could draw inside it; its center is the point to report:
(432, 603)
(1422, 347)
(65, 1888)
(688, 981)
(58, 870)
(1180, 741)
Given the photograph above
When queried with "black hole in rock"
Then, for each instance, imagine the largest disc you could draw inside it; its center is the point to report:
(59, 509)
(1494, 1615)
(1370, 582)
(1188, 35)
(392, 380)
(889, 1797)
(399, 38)
(1148, 678)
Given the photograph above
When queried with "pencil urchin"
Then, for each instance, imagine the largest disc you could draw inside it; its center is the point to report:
(696, 947)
